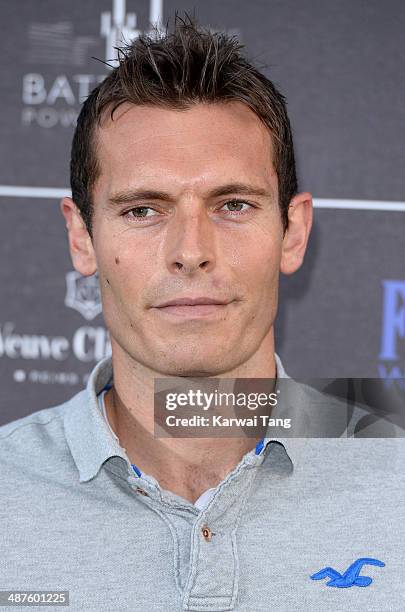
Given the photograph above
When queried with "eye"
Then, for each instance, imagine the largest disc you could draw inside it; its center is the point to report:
(140, 212)
(235, 206)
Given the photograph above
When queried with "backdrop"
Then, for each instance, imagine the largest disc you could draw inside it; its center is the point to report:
(341, 65)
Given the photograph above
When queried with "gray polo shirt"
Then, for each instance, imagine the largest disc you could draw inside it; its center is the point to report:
(74, 516)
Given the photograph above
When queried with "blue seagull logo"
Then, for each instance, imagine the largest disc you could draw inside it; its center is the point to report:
(351, 577)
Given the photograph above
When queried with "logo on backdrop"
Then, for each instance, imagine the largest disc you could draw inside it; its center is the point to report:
(83, 294)
(118, 26)
(87, 343)
(393, 329)
(54, 100)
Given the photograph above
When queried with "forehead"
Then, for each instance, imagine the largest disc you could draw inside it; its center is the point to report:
(192, 146)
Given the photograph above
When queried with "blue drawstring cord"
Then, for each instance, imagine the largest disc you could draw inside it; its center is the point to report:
(259, 446)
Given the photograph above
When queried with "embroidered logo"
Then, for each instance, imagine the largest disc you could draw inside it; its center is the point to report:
(351, 577)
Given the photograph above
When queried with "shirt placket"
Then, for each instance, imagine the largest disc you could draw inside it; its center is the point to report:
(213, 580)
(205, 543)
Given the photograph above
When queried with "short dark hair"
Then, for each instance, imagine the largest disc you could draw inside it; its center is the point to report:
(175, 70)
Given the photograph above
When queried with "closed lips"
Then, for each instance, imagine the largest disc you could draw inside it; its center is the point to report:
(193, 302)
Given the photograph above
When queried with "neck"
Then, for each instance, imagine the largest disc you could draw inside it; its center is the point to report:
(185, 466)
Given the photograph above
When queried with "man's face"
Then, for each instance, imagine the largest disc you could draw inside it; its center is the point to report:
(208, 225)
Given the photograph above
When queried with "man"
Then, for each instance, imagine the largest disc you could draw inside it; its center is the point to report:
(185, 202)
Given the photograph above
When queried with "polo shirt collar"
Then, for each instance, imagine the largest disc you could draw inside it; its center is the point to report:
(86, 431)
(90, 440)
(293, 446)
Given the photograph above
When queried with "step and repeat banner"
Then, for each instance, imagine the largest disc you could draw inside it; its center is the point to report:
(340, 65)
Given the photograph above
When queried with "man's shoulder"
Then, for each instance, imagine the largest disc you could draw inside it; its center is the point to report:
(324, 413)
(40, 418)
(37, 434)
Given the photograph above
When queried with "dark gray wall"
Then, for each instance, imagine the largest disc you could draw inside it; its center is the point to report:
(341, 66)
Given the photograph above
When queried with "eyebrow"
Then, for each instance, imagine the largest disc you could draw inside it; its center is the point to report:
(136, 195)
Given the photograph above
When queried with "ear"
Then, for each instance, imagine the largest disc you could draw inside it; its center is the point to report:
(80, 243)
(296, 236)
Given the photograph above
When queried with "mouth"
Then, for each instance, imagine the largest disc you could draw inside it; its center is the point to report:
(197, 307)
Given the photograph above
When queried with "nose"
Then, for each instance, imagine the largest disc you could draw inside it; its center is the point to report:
(191, 242)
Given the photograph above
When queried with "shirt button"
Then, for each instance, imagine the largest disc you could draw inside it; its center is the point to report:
(142, 492)
(207, 533)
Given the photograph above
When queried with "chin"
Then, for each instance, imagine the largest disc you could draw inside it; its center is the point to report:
(188, 372)
(196, 365)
